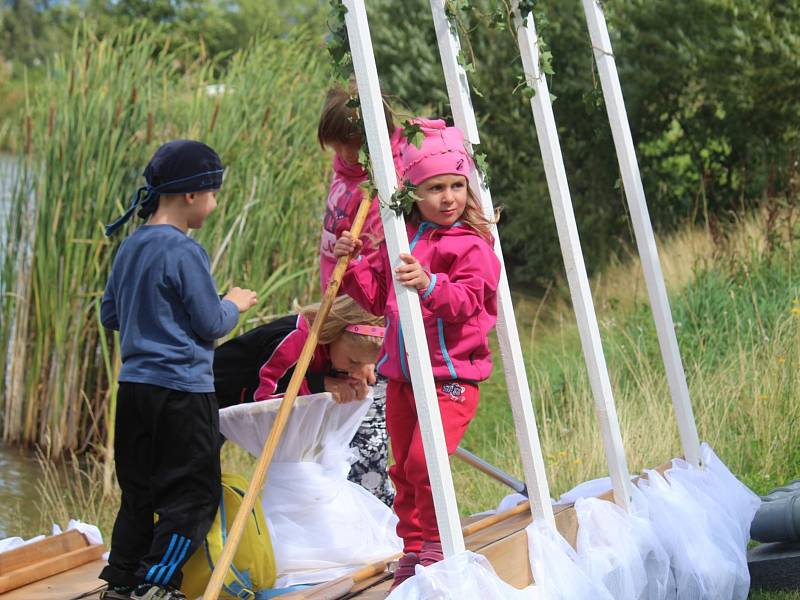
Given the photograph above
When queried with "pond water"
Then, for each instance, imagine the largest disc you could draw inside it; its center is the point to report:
(19, 474)
(8, 165)
(19, 470)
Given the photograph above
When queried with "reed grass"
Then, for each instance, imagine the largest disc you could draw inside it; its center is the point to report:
(88, 130)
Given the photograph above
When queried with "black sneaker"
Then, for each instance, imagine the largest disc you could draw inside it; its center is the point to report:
(156, 592)
(117, 592)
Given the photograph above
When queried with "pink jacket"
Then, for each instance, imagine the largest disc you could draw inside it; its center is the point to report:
(280, 364)
(458, 308)
(344, 196)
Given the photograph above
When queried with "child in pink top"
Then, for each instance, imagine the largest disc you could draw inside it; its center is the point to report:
(338, 130)
(453, 267)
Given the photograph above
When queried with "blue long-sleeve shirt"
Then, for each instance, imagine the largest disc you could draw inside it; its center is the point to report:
(163, 300)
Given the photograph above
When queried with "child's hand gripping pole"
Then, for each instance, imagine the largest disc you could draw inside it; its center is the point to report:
(260, 473)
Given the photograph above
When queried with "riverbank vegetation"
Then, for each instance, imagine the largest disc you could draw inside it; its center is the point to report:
(89, 89)
(99, 114)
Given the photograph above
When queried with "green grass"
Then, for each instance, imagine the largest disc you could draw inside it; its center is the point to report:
(737, 317)
(770, 595)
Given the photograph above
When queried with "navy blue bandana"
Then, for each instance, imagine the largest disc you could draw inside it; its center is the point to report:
(177, 167)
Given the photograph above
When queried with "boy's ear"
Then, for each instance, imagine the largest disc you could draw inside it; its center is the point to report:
(189, 197)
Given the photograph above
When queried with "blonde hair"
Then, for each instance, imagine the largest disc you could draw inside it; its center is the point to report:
(345, 312)
(472, 216)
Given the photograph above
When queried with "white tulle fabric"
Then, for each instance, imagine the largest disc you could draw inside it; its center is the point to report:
(322, 525)
(684, 539)
(465, 575)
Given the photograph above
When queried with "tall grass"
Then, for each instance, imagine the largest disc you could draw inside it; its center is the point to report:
(736, 306)
(88, 131)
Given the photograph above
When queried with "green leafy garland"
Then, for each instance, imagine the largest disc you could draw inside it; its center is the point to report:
(404, 197)
(500, 18)
(342, 66)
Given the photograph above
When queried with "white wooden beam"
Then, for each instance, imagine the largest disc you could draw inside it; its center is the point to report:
(507, 334)
(573, 260)
(643, 229)
(430, 420)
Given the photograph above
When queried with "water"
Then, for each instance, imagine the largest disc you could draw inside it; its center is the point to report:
(8, 166)
(19, 473)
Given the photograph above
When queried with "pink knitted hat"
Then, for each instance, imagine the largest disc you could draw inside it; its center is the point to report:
(442, 153)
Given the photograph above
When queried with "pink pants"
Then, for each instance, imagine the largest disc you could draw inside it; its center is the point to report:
(413, 501)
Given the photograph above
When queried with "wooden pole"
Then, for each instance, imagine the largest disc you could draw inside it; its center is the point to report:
(643, 229)
(412, 326)
(516, 376)
(578, 280)
(260, 474)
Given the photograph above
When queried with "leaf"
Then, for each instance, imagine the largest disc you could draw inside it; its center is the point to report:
(403, 199)
(413, 133)
(483, 167)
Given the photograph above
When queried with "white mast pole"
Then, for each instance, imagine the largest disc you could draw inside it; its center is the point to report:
(507, 334)
(643, 229)
(573, 260)
(430, 420)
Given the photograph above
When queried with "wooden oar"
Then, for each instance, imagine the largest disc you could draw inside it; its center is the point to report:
(260, 474)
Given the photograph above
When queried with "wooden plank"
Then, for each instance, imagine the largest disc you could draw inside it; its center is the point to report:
(574, 265)
(368, 583)
(643, 229)
(430, 421)
(49, 547)
(514, 369)
(509, 558)
(64, 586)
(50, 566)
(379, 592)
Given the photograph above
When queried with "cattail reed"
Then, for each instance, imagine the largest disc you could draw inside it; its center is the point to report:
(87, 152)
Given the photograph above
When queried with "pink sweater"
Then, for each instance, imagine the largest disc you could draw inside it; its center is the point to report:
(344, 197)
(459, 308)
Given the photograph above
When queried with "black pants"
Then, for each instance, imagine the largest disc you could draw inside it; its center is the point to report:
(167, 460)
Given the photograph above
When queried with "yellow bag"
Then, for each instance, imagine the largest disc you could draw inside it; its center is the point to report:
(253, 568)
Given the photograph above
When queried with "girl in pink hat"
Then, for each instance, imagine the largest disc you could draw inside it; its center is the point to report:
(453, 267)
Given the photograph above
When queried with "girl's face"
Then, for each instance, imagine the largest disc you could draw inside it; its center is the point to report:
(351, 358)
(442, 198)
(348, 152)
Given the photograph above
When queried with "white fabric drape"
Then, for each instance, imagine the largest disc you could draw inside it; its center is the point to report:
(322, 525)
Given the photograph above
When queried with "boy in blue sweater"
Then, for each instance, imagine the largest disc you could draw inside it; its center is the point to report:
(163, 300)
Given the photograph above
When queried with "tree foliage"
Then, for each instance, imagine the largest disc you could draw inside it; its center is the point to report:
(712, 90)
